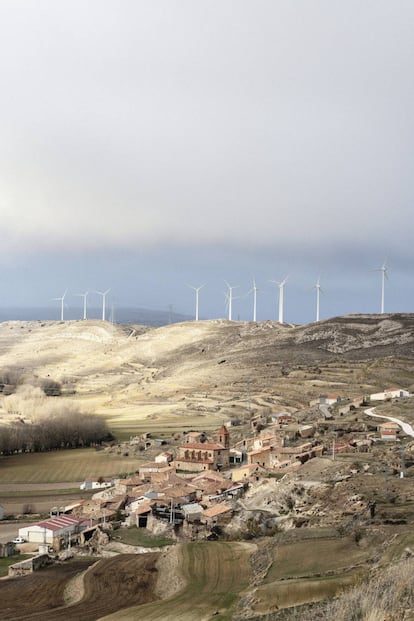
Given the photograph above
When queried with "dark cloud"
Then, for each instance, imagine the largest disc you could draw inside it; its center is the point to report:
(281, 131)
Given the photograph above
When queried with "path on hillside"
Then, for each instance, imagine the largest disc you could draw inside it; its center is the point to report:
(406, 427)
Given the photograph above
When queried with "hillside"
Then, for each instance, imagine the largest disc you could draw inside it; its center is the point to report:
(201, 372)
(310, 534)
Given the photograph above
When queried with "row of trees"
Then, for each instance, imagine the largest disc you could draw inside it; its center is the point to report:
(12, 379)
(66, 427)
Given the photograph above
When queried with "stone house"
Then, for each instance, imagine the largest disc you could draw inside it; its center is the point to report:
(248, 471)
(219, 515)
(389, 431)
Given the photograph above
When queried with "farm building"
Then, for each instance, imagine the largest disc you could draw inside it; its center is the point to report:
(390, 393)
(328, 399)
(389, 431)
(96, 483)
(55, 532)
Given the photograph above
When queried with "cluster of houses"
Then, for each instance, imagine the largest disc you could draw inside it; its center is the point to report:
(193, 491)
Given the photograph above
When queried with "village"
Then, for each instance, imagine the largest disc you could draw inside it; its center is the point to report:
(193, 490)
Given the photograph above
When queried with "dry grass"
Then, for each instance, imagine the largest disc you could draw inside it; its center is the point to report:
(387, 595)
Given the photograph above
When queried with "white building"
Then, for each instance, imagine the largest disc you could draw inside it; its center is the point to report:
(96, 484)
(55, 532)
(164, 458)
(391, 393)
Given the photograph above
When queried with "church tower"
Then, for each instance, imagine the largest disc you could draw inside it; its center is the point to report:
(223, 437)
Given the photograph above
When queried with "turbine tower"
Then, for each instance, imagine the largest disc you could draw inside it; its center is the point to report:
(255, 290)
(84, 296)
(196, 289)
(281, 285)
(229, 297)
(318, 294)
(103, 294)
(62, 304)
(384, 275)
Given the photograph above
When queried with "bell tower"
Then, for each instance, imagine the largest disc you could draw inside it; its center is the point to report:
(223, 437)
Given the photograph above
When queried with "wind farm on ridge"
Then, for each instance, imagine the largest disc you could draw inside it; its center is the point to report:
(230, 298)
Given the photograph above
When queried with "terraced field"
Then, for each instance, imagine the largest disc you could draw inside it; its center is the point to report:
(311, 570)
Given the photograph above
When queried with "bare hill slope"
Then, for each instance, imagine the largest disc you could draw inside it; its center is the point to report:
(210, 368)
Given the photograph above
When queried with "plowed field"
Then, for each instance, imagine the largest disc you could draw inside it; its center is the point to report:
(216, 573)
(122, 581)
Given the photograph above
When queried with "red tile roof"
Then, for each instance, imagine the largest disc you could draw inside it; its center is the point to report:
(59, 522)
(218, 509)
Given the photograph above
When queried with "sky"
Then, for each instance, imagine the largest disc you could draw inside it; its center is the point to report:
(148, 146)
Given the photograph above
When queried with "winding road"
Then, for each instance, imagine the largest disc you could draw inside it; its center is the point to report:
(407, 429)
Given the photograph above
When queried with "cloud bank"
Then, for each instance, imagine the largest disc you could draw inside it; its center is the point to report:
(250, 123)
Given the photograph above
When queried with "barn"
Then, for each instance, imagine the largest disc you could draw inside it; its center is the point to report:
(56, 531)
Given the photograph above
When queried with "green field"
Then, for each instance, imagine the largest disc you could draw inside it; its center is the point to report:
(5, 562)
(63, 466)
(134, 536)
(315, 557)
(311, 570)
(288, 593)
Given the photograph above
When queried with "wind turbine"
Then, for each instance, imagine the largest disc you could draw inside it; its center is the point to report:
(384, 275)
(318, 293)
(281, 285)
(62, 304)
(196, 289)
(84, 296)
(255, 290)
(229, 297)
(103, 294)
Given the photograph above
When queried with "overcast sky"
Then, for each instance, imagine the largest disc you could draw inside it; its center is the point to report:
(149, 144)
